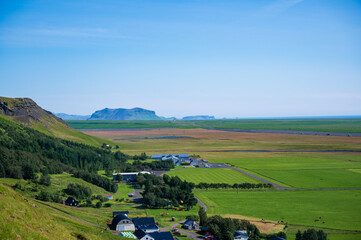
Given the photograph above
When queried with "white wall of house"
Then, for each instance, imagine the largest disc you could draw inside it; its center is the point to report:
(125, 227)
(146, 237)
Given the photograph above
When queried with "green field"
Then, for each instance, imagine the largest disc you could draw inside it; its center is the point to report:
(103, 124)
(212, 175)
(339, 209)
(318, 125)
(304, 170)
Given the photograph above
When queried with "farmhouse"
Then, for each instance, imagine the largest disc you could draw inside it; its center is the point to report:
(123, 223)
(240, 235)
(190, 225)
(147, 224)
(141, 235)
(71, 202)
(129, 176)
(169, 156)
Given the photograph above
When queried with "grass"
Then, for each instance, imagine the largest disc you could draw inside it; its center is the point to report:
(20, 219)
(339, 209)
(212, 175)
(103, 124)
(319, 125)
(319, 171)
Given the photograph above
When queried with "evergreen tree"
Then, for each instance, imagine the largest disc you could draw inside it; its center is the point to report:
(202, 216)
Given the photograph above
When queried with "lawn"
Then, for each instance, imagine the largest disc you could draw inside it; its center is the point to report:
(212, 175)
(339, 209)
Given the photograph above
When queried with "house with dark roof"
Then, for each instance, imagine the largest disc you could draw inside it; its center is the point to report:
(71, 202)
(146, 224)
(240, 235)
(142, 235)
(190, 225)
(120, 213)
(161, 236)
(122, 222)
(169, 156)
(276, 238)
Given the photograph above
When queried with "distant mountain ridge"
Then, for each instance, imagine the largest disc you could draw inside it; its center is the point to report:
(65, 116)
(199, 117)
(124, 114)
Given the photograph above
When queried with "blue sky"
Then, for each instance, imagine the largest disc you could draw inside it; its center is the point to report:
(249, 58)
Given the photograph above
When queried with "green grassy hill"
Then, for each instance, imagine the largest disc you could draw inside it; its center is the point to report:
(22, 218)
(27, 112)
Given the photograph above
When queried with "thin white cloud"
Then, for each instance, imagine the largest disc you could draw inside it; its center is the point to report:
(278, 7)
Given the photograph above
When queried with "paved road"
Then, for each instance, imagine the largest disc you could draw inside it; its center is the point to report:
(137, 196)
(202, 204)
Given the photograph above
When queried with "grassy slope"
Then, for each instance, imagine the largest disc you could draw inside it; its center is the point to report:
(340, 209)
(212, 175)
(19, 219)
(319, 125)
(62, 131)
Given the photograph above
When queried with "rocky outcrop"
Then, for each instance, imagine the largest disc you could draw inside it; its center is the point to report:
(26, 111)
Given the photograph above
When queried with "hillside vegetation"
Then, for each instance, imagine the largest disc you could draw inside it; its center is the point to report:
(22, 218)
(28, 113)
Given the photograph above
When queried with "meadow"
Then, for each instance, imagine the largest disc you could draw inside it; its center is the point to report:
(319, 125)
(103, 124)
(338, 209)
(212, 175)
(299, 170)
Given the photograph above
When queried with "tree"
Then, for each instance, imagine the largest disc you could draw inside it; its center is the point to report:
(98, 204)
(28, 172)
(118, 177)
(193, 217)
(202, 216)
(45, 180)
(298, 235)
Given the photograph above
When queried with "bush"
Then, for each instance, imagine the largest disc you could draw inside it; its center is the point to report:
(98, 204)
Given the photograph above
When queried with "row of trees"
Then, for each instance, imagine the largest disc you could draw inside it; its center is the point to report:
(224, 228)
(203, 185)
(161, 192)
(311, 234)
(25, 152)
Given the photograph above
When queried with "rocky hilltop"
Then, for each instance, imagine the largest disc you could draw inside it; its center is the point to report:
(124, 114)
(26, 111)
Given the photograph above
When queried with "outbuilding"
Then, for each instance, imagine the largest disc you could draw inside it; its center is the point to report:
(123, 223)
(70, 201)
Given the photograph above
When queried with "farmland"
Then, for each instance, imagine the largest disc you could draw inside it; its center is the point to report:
(212, 175)
(339, 209)
(318, 125)
(298, 162)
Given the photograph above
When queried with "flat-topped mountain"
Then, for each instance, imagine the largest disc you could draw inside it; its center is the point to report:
(124, 114)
